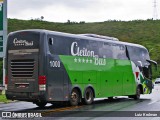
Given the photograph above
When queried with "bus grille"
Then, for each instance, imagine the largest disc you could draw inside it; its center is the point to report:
(22, 68)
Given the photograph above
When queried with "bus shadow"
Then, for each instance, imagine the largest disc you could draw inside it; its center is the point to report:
(113, 105)
(96, 104)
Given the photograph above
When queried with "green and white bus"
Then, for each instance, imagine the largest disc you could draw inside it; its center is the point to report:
(46, 67)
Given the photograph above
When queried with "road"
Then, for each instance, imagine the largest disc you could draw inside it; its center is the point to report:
(100, 109)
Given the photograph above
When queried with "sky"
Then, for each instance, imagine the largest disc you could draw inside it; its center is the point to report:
(82, 10)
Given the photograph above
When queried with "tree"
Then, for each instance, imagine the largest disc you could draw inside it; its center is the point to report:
(42, 17)
(68, 21)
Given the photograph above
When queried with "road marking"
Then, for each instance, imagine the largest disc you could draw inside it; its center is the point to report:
(152, 102)
(60, 110)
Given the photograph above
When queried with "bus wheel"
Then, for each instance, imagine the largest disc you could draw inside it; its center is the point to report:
(75, 97)
(88, 96)
(41, 104)
(138, 93)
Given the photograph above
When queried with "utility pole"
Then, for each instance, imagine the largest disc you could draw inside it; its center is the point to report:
(155, 14)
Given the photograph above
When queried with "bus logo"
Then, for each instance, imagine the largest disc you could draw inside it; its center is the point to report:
(76, 51)
(17, 42)
(94, 59)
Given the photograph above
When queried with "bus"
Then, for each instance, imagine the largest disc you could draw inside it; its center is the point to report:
(45, 66)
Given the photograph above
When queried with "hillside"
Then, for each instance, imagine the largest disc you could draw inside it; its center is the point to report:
(146, 33)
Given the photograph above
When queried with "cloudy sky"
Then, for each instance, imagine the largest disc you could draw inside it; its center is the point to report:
(82, 10)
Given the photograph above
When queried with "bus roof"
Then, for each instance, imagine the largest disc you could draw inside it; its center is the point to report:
(79, 36)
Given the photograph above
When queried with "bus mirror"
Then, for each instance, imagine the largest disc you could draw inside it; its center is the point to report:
(154, 69)
(153, 63)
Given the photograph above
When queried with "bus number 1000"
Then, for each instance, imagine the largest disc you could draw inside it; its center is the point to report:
(55, 64)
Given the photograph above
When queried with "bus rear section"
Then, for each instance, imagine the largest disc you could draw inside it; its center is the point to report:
(22, 80)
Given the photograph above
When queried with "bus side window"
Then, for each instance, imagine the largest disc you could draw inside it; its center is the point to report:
(94, 45)
(51, 41)
(106, 50)
(119, 51)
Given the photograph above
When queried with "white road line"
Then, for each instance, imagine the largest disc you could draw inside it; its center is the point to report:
(152, 102)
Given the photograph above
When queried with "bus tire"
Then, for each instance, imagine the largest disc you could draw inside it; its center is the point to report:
(138, 93)
(88, 96)
(75, 97)
(41, 104)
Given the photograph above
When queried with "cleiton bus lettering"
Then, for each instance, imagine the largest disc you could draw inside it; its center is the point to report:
(76, 51)
(17, 42)
(99, 61)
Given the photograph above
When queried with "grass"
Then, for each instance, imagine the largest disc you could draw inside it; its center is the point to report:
(3, 99)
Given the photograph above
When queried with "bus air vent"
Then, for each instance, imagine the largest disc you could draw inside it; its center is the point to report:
(22, 68)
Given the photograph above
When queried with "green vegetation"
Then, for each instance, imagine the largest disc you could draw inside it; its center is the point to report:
(144, 32)
(3, 99)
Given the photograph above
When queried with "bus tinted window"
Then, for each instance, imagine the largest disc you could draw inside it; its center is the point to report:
(115, 51)
(58, 45)
(105, 50)
(136, 53)
(119, 51)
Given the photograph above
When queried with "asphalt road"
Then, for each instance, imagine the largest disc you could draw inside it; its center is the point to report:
(100, 109)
